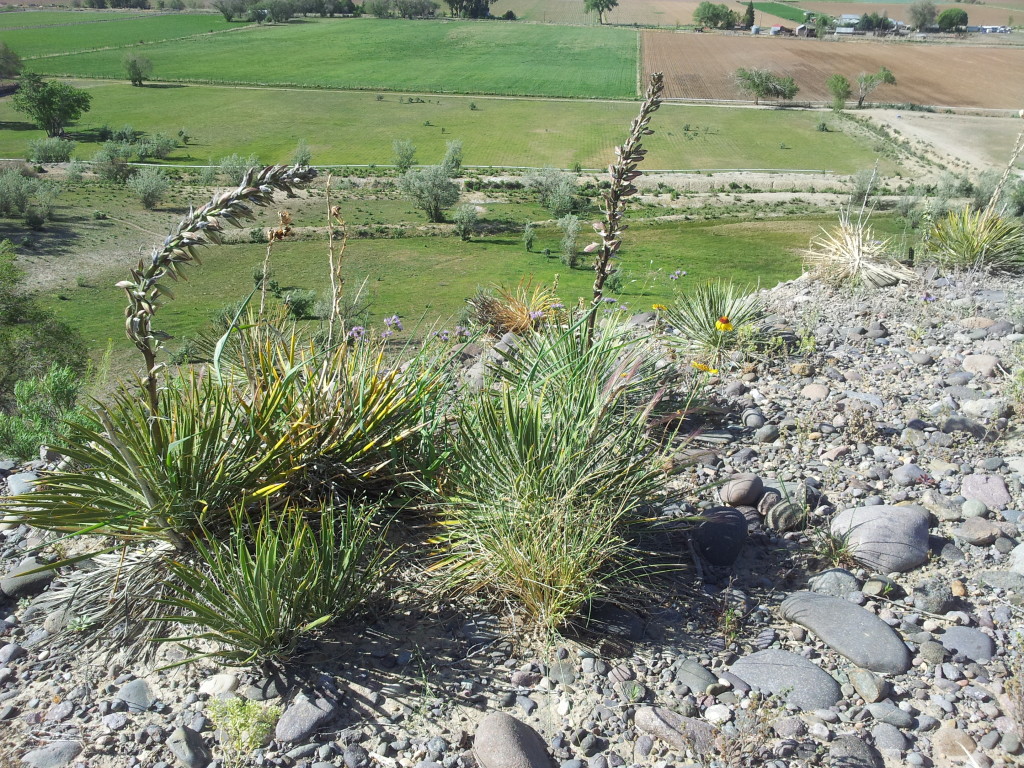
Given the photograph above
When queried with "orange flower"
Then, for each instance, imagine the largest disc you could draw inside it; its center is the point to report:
(723, 324)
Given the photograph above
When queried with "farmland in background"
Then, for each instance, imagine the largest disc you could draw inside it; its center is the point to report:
(702, 67)
(114, 30)
(356, 128)
(18, 19)
(790, 13)
(387, 54)
(976, 14)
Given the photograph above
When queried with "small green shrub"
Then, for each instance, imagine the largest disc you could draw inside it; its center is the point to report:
(16, 191)
(157, 147)
(244, 726)
(234, 167)
(150, 186)
(303, 154)
(51, 150)
(301, 303)
(465, 220)
(111, 162)
(42, 404)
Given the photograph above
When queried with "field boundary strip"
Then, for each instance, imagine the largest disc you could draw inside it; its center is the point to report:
(87, 21)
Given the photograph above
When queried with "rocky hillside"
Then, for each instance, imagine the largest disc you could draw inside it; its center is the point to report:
(853, 597)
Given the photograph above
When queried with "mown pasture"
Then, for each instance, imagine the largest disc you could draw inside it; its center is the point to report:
(24, 19)
(385, 54)
(115, 32)
(426, 280)
(356, 128)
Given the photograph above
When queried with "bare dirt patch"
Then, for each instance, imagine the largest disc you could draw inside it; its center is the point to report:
(701, 66)
(967, 142)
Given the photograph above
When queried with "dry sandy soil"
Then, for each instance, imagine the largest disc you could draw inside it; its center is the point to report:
(968, 142)
(701, 66)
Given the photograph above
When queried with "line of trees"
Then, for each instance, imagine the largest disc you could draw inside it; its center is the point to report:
(280, 11)
(841, 89)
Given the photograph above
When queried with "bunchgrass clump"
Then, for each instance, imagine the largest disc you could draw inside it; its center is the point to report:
(501, 310)
(711, 321)
(550, 473)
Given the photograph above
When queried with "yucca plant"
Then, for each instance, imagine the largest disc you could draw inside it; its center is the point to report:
(548, 475)
(277, 577)
(216, 452)
(715, 318)
(967, 238)
(851, 254)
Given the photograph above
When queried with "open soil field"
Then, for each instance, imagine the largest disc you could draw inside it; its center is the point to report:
(976, 14)
(388, 54)
(356, 128)
(701, 66)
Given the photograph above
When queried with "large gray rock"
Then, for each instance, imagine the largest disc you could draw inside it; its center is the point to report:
(885, 538)
(857, 634)
(187, 746)
(681, 733)
(304, 717)
(743, 490)
(137, 695)
(501, 741)
(720, 538)
(837, 582)
(53, 755)
(849, 751)
(972, 643)
(988, 489)
(21, 582)
(21, 483)
(805, 685)
(694, 676)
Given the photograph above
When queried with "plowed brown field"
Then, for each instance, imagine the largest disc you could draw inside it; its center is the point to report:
(702, 66)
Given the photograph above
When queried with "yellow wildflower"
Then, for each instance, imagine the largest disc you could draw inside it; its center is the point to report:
(723, 324)
(659, 307)
(702, 367)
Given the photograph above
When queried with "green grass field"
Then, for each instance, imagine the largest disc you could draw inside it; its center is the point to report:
(23, 19)
(355, 128)
(383, 54)
(782, 10)
(426, 280)
(114, 32)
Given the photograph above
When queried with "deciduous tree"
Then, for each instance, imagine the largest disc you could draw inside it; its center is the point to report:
(10, 63)
(952, 19)
(138, 68)
(51, 105)
(763, 84)
(840, 88)
(866, 83)
(922, 13)
(230, 9)
(431, 190)
(600, 7)
(717, 16)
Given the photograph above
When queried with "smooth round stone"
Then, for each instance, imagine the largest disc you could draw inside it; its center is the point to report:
(502, 741)
(973, 508)
(743, 490)
(888, 738)
(972, 643)
(769, 433)
(805, 685)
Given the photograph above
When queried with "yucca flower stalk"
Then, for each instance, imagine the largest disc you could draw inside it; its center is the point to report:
(199, 228)
(622, 172)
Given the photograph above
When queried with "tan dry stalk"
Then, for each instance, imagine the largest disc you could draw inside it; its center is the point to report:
(199, 228)
(334, 262)
(622, 172)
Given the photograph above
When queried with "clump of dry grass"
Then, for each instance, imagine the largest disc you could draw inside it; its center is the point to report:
(521, 309)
